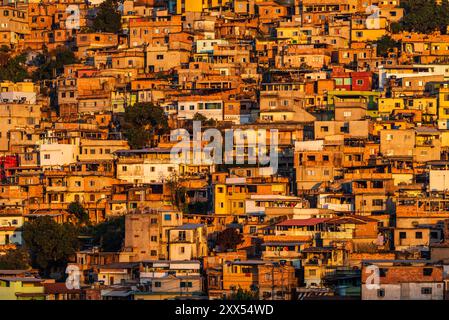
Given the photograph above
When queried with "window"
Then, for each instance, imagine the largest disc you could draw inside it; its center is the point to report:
(312, 272)
(381, 293)
(46, 156)
(418, 235)
(185, 284)
(157, 284)
(124, 168)
(153, 238)
(160, 57)
(167, 217)
(378, 203)
(426, 290)
(402, 235)
(182, 235)
(427, 271)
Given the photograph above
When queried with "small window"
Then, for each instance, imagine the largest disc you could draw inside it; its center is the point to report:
(381, 293)
(427, 271)
(426, 290)
(418, 235)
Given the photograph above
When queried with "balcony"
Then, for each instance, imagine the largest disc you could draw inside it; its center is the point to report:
(340, 207)
(280, 254)
(56, 189)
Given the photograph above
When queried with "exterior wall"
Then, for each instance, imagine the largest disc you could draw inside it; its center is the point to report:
(145, 172)
(212, 109)
(10, 230)
(405, 291)
(97, 150)
(438, 180)
(9, 292)
(397, 142)
(193, 246)
(57, 154)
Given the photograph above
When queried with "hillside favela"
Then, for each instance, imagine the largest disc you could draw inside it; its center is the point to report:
(224, 150)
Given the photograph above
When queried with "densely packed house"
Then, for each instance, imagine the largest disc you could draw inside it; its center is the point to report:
(361, 116)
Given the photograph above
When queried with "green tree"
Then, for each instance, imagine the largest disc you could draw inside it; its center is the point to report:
(241, 294)
(77, 210)
(177, 191)
(14, 69)
(142, 122)
(204, 120)
(424, 16)
(109, 235)
(15, 259)
(385, 44)
(229, 239)
(108, 18)
(51, 64)
(50, 244)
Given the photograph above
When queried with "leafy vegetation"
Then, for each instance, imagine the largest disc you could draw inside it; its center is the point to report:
(51, 64)
(424, 16)
(385, 44)
(177, 191)
(229, 239)
(14, 69)
(204, 120)
(241, 294)
(108, 235)
(50, 244)
(108, 18)
(77, 210)
(142, 122)
(14, 259)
